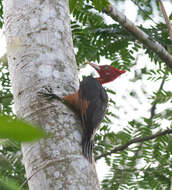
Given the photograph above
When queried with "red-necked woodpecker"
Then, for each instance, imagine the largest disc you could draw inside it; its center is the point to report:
(91, 102)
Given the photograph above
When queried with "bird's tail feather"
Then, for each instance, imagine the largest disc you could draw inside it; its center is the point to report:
(87, 145)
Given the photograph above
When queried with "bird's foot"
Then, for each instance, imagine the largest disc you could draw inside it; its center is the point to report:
(48, 93)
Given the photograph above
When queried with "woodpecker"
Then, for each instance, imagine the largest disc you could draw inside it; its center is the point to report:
(91, 102)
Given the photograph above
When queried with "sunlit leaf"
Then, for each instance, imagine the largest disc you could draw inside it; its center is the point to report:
(8, 184)
(19, 130)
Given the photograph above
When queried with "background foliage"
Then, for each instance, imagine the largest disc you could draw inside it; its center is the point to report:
(145, 165)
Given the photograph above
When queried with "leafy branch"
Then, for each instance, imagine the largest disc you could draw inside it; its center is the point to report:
(136, 140)
(143, 11)
(139, 34)
(142, 139)
(153, 108)
(7, 96)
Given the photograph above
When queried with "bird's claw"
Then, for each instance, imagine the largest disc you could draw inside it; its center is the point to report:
(48, 89)
(48, 93)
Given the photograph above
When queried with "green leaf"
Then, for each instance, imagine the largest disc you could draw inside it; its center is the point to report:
(111, 91)
(169, 147)
(72, 5)
(8, 184)
(4, 163)
(99, 4)
(75, 4)
(19, 130)
(170, 17)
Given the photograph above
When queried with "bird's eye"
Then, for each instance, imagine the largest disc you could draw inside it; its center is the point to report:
(106, 67)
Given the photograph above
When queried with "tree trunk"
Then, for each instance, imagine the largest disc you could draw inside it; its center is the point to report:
(40, 53)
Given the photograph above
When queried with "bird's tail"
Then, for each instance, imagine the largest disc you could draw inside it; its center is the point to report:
(87, 145)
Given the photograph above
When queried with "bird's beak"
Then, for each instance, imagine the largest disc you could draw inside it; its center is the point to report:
(94, 65)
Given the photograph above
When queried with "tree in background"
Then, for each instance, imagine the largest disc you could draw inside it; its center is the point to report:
(139, 153)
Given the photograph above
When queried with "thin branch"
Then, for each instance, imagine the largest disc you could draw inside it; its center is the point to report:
(152, 113)
(139, 34)
(26, 181)
(170, 183)
(166, 19)
(136, 140)
(153, 108)
(41, 167)
(144, 12)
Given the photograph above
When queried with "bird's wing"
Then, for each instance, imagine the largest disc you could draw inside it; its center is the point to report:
(93, 102)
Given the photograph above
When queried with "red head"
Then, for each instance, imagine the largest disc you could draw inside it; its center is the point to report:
(107, 73)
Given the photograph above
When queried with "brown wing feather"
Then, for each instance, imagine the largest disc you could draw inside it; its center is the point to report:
(73, 100)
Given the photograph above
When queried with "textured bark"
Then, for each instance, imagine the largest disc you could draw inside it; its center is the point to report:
(139, 34)
(167, 20)
(40, 53)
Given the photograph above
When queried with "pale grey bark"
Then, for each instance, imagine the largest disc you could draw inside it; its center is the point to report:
(40, 53)
(139, 34)
(167, 20)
